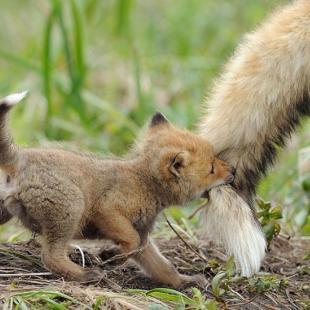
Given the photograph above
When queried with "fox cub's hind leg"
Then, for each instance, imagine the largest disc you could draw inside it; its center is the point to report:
(55, 256)
(59, 213)
(57, 233)
(160, 269)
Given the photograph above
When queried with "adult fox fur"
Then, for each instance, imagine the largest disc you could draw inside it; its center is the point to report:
(254, 107)
(63, 195)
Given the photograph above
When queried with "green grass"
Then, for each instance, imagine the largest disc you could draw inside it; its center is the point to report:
(138, 57)
(42, 299)
(97, 70)
(159, 299)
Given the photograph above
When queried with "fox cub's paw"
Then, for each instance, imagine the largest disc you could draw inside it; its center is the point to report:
(196, 280)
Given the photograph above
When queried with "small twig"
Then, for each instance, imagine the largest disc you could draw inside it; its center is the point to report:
(184, 241)
(81, 252)
(21, 255)
(122, 255)
(236, 293)
(271, 307)
(245, 302)
(7, 275)
(290, 299)
(197, 210)
(271, 298)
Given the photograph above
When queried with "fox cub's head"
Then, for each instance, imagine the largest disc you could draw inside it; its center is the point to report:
(182, 162)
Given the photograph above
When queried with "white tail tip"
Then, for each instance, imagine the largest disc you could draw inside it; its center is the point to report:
(13, 99)
(229, 221)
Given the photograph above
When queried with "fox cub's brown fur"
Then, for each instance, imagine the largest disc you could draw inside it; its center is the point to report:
(63, 195)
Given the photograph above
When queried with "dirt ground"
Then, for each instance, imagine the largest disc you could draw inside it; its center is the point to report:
(283, 283)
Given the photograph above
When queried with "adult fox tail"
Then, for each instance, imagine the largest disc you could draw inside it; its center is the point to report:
(254, 107)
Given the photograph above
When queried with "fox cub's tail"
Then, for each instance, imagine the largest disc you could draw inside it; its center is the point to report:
(8, 151)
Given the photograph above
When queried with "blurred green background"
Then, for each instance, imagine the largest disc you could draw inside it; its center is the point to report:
(97, 70)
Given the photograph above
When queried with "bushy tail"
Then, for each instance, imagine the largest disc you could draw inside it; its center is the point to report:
(8, 152)
(255, 106)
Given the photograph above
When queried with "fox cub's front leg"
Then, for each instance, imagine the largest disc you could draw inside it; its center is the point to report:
(161, 270)
(119, 229)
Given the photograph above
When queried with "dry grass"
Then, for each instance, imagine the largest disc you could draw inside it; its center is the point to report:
(282, 284)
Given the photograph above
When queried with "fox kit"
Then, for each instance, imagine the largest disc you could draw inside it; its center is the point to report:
(63, 195)
(254, 107)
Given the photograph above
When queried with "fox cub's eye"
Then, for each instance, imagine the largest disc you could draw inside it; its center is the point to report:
(212, 169)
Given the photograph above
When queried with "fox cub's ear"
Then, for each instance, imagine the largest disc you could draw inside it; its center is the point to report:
(177, 162)
(158, 119)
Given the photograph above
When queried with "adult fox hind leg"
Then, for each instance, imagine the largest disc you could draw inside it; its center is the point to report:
(160, 269)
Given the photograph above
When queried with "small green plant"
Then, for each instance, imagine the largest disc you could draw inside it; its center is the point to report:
(220, 281)
(179, 300)
(305, 183)
(269, 214)
(202, 302)
(266, 283)
(41, 299)
(98, 303)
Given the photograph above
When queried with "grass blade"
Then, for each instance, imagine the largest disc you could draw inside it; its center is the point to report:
(79, 40)
(74, 99)
(19, 61)
(124, 8)
(46, 57)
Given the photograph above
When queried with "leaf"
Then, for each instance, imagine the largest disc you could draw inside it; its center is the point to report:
(20, 304)
(157, 307)
(197, 294)
(216, 282)
(262, 204)
(276, 213)
(98, 303)
(211, 305)
(268, 231)
(230, 266)
(170, 295)
(165, 294)
(53, 304)
(306, 184)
